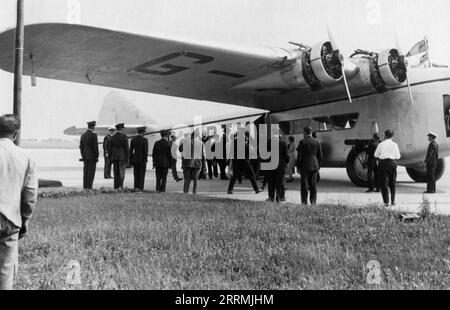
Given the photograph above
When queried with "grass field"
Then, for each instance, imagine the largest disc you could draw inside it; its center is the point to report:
(153, 241)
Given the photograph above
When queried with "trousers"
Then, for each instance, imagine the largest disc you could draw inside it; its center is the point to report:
(140, 169)
(9, 253)
(309, 180)
(120, 168)
(191, 174)
(89, 173)
(161, 179)
(388, 178)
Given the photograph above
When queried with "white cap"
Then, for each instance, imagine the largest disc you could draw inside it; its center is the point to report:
(432, 134)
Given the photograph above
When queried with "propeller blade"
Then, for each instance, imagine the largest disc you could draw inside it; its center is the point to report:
(409, 88)
(332, 37)
(335, 47)
(346, 83)
(402, 54)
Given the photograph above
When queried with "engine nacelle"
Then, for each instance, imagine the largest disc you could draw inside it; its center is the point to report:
(392, 68)
(326, 64)
(314, 68)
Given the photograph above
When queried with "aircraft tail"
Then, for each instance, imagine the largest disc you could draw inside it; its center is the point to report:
(118, 109)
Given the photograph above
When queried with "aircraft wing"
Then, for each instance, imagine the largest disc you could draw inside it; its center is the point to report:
(121, 60)
(263, 78)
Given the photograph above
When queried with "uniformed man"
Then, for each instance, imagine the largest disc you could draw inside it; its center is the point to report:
(242, 166)
(162, 161)
(139, 158)
(372, 164)
(106, 155)
(309, 157)
(388, 153)
(432, 161)
(119, 150)
(89, 155)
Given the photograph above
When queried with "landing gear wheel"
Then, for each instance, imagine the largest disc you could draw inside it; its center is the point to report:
(419, 175)
(357, 168)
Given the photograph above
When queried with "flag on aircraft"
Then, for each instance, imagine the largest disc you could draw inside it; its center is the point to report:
(418, 48)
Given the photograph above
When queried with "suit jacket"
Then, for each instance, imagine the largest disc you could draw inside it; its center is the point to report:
(118, 147)
(106, 142)
(89, 146)
(162, 154)
(139, 150)
(283, 153)
(432, 154)
(18, 183)
(371, 148)
(309, 155)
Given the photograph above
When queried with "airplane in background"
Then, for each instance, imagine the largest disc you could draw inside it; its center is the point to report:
(344, 99)
(118, 109)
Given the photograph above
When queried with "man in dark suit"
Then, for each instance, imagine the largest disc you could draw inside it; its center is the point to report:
(106, 155)
(275, 178)
(308, 164)
(119, 150)
(431, 161)
(139, 158)
(89, 155)
(372, 164)
(162, 161)
(242, 166)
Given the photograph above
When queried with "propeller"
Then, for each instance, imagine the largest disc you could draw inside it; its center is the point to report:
(335, 48)
(402, 54)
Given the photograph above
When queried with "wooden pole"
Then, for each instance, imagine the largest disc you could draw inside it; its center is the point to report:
(18, 63)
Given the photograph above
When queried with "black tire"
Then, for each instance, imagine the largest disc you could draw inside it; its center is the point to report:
(356, 170)
(419, 175)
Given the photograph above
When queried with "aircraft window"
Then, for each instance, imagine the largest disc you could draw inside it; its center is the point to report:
(344, 122)
(321, 124)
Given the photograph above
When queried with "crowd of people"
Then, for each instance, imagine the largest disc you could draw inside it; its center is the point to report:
(198, 164)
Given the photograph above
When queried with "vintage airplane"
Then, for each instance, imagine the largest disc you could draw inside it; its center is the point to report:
(345, 100)
(116, 109)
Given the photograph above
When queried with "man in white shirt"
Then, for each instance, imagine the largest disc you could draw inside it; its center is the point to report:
(18, 194)
(388, 153)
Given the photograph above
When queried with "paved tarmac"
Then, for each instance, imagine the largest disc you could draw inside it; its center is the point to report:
(334, 188)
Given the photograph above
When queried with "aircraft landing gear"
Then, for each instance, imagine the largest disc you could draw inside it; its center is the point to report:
(357, 167)
(419, 173)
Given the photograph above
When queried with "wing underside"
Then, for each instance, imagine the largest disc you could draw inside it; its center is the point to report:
(200, 71)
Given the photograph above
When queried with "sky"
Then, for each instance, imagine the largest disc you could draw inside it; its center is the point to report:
(367, 24)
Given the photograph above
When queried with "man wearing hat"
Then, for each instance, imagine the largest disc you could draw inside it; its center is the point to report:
(108, 162)
(162, 161)
(119, 150)
(432, 161)
(139, 158)
(89, 155)
(309, 157)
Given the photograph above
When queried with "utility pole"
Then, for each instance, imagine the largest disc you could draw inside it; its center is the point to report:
(18, 63)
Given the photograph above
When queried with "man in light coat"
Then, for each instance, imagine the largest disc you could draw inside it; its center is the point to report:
(18, 195)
